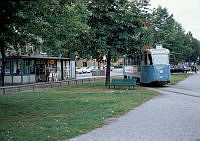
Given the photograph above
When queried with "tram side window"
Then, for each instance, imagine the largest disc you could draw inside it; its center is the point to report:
(148, 59)
(145, 59)
(131, 61)
(138, 60)
(126, 61)
(134, 60)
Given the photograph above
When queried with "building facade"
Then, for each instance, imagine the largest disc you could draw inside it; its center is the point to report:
(32, 69)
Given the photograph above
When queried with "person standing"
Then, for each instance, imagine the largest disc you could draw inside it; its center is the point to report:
(192, 68)
(195, 68)
(17, 71)
(47, 73)
(38, 73)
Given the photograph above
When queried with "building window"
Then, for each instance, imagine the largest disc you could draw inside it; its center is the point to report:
(32, 67)
(26, 67)
(7, 67)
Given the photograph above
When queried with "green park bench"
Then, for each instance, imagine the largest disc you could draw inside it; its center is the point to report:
(122, 82)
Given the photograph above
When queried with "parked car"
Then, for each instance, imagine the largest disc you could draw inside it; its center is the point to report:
(79, 70)
(178, 69)
(86, 70)
(93, 68)
(111, 68)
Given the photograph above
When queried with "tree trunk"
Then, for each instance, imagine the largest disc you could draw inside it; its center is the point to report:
(3, 63)
(108, 58)
(98, 65)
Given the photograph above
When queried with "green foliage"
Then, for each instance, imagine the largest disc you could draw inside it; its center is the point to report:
(115, 27)
(14, 27)
(88, 28)
(56, 23)
(166, 31)
(61, 23)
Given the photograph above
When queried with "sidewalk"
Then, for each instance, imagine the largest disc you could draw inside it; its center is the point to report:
(51, 84)
(168, 117)
(43, 85)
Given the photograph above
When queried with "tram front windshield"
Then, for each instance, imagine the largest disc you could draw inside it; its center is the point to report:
(160, 59)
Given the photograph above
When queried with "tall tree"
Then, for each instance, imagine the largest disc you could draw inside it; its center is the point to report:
(63, 22)
(171, 34)
(115, 28)
(14, 34)
(56, 23)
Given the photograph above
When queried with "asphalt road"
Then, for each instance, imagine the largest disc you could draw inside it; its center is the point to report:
(172, 116)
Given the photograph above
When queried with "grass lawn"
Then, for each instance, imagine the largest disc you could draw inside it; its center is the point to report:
(175, 78)
(198, 67)
(64, 112)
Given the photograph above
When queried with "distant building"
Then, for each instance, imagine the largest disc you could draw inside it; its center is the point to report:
(119, 62)
(87, 63)
(93, 62)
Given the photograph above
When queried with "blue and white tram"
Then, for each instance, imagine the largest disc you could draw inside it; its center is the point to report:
(152, 66)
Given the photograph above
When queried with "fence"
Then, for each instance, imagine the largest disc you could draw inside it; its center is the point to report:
(36, 86)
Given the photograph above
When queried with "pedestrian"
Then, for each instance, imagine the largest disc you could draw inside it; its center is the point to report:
(195, 68)
(18, 70)
(47, 73)
(38, 73)
(192, 68)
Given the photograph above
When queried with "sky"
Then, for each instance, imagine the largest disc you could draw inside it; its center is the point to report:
(186, 12)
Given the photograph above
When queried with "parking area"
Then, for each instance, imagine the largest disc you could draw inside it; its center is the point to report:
(114, 72)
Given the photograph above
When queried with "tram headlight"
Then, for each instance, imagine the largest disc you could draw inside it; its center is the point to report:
(161, 71)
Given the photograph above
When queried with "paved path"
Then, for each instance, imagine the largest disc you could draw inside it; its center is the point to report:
(172, 116)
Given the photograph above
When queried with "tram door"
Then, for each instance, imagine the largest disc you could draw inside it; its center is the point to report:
(148, 59)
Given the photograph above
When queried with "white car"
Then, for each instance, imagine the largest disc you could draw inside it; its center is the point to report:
(93, 68)
(86, 69)
(111, 68)
(79, 70)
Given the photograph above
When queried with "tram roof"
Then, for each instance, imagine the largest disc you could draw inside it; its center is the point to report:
(158, 51)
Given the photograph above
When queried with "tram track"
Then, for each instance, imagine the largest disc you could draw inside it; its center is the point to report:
(180, 88)
(177, 92)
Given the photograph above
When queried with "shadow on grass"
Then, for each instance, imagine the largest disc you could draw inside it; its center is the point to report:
(154, 85)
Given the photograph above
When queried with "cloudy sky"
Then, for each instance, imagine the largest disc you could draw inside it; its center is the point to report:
(186, 12)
